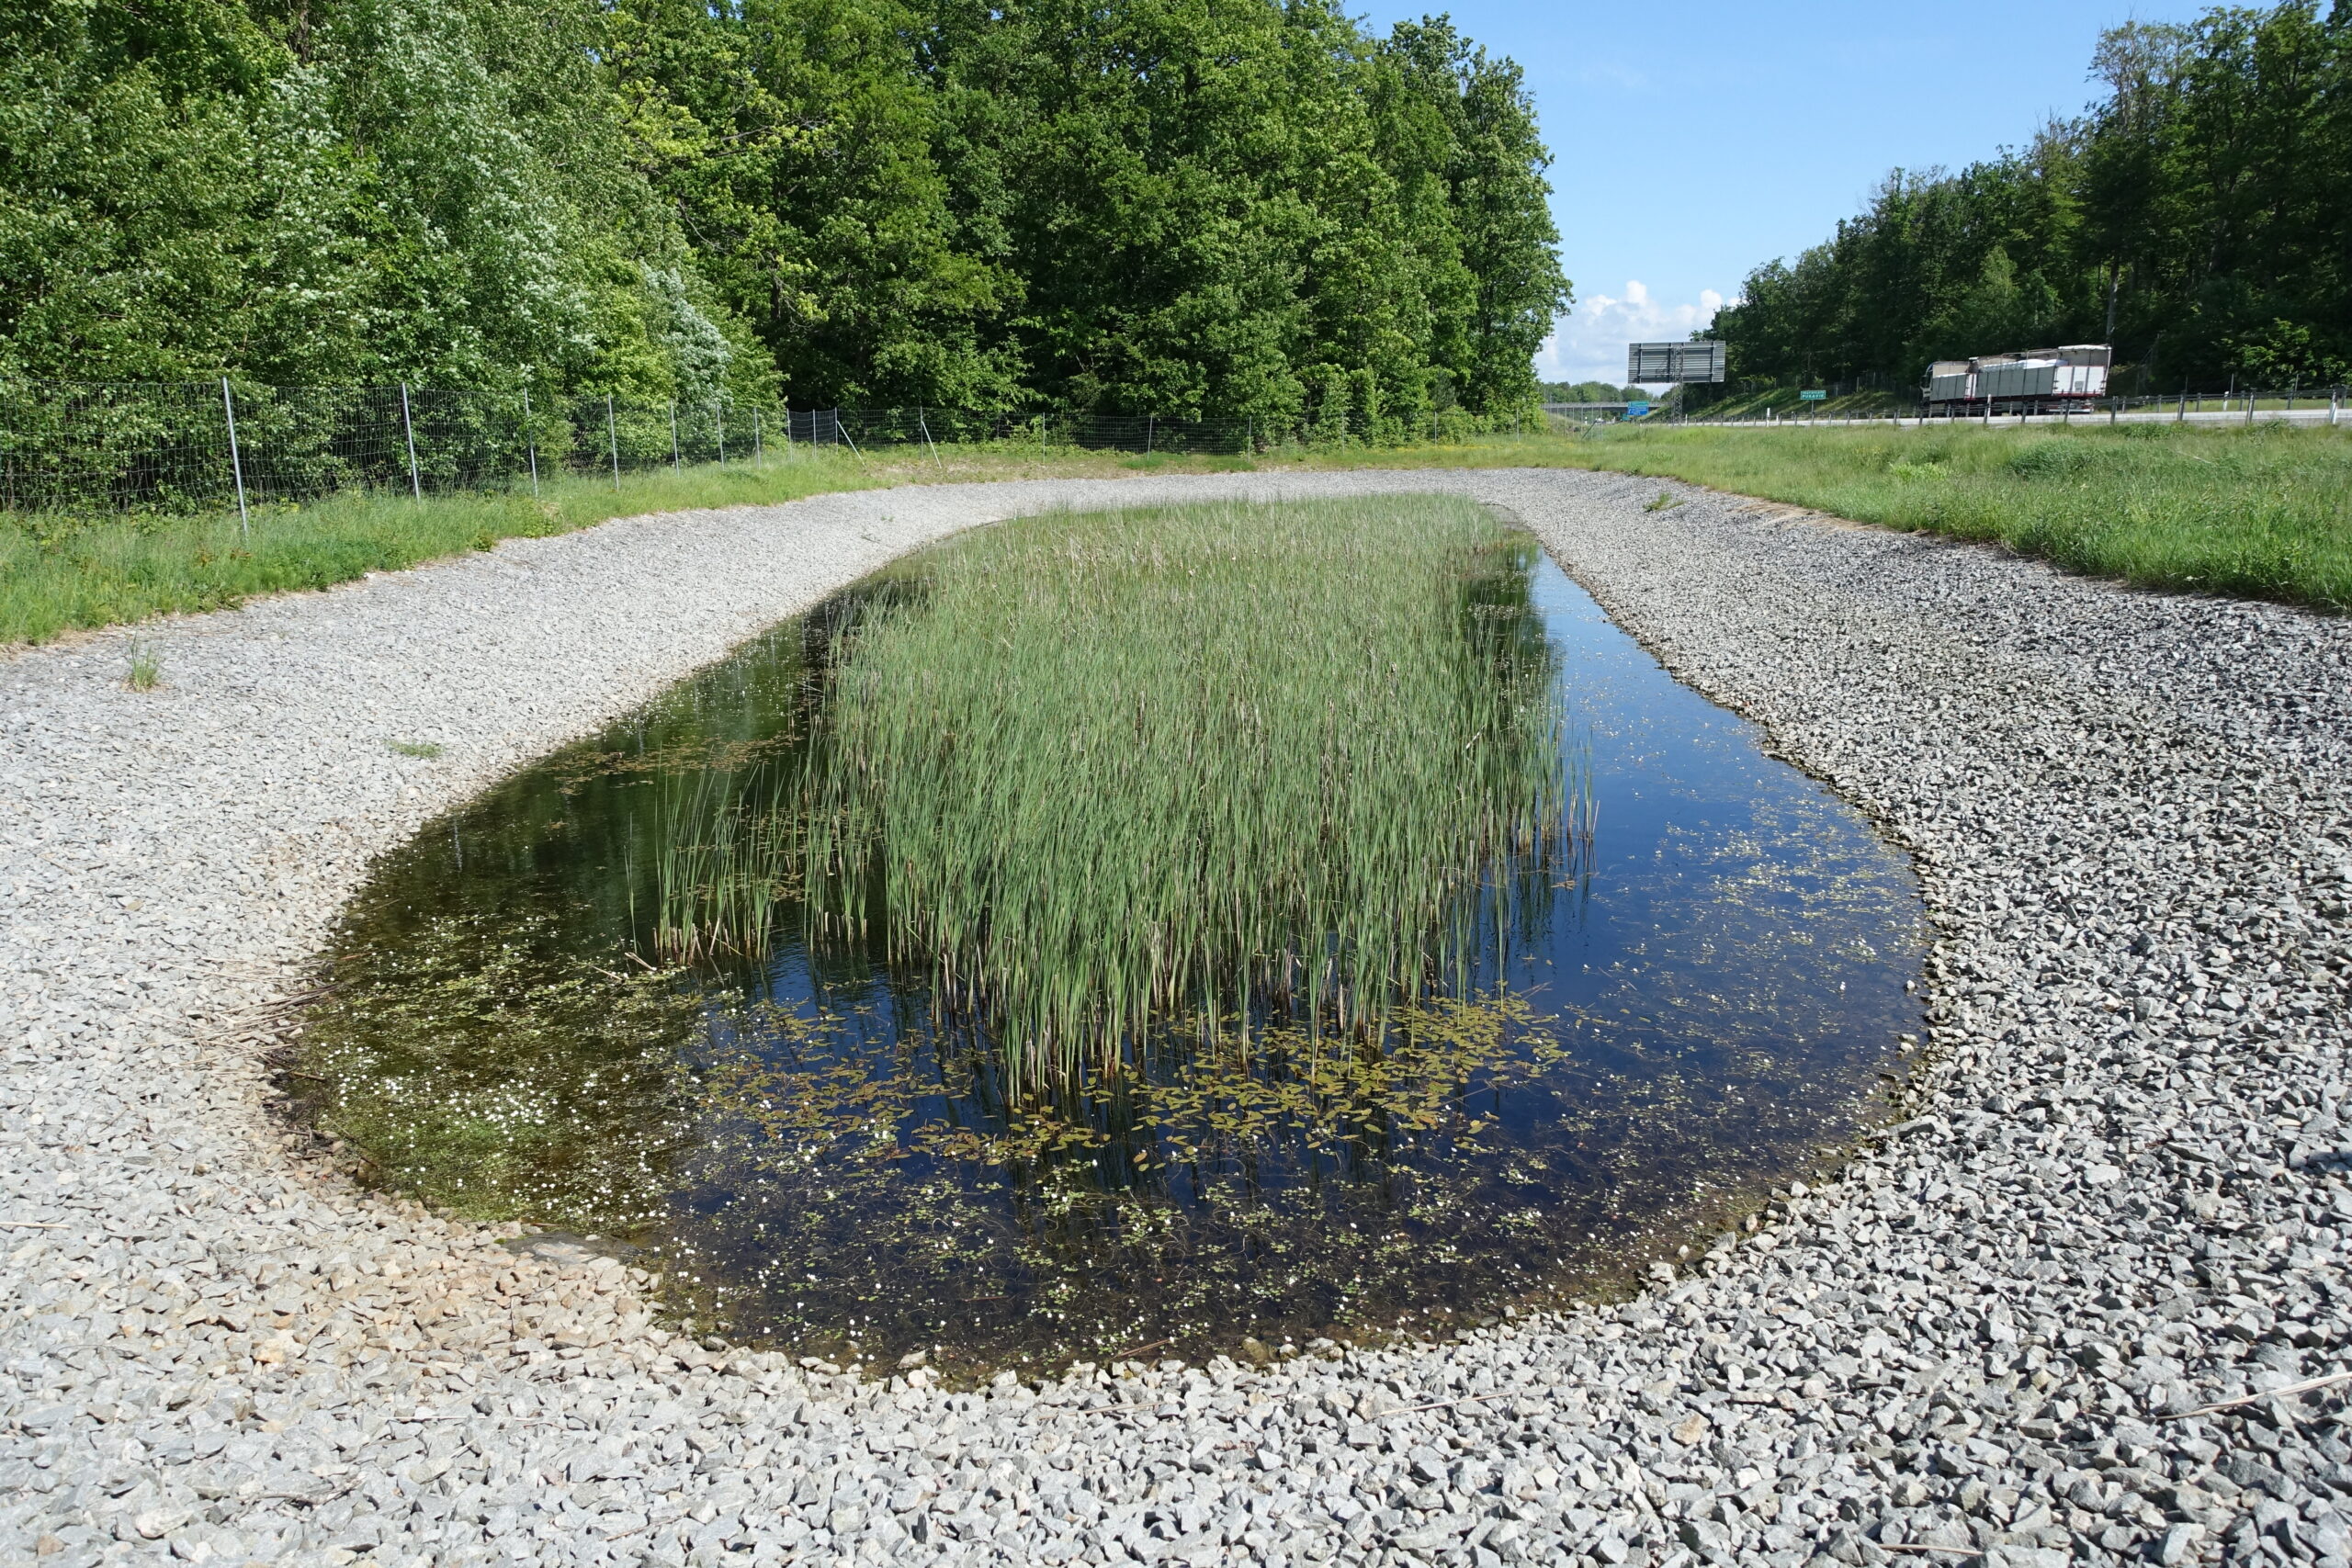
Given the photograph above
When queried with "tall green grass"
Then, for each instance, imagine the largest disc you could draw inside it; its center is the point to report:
(2260, 513)
(724, 866)
(1194, 762)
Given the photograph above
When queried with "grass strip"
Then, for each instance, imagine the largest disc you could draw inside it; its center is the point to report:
(2259, 512)
(60, 573)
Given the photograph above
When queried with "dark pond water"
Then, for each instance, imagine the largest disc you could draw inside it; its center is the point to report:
(815, 1157)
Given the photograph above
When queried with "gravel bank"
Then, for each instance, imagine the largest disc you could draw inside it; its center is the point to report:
(2123, 1197)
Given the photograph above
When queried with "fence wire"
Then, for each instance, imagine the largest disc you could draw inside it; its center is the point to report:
(94, 448)
(81, 448)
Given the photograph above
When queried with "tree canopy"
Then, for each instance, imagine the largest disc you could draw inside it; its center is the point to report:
(1191, 207)
(2198, 216)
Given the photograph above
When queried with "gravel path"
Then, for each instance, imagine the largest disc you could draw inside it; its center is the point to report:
(2122, 1198)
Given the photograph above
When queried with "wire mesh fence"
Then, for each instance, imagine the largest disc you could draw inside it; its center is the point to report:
(87, 448)
(99, 448)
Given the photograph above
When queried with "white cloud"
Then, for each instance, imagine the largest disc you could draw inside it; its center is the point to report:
(1612, 74)
(1588, 342)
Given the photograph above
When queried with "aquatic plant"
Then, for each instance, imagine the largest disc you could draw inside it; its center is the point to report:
(485, 1068)
(1209, 761)
(722, 866)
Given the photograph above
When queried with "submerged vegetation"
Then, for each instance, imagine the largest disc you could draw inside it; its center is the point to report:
(483, 1066)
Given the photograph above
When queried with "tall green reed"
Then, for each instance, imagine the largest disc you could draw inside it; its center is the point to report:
(1196, 762)
(723, 866)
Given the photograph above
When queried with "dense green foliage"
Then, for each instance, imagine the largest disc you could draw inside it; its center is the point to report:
(2263, 511)
(2200, 217)
(1180, 206)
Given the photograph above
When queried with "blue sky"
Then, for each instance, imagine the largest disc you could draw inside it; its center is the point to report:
(1694, 140)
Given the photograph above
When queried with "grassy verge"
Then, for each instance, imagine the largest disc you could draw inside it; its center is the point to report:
(1784, 402)
(58, 574)
(62, 574)
(2264, 513)
(2258, 512)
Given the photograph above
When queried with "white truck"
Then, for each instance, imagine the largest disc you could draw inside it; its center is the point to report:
(2033, 380)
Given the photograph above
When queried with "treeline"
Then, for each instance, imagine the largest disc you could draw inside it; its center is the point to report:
(1592, 392)
(1187, 208)
(2198, 216)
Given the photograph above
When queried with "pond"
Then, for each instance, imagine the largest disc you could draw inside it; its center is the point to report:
(1133, 934)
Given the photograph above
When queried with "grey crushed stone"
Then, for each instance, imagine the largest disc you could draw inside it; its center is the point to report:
(2121, 1196)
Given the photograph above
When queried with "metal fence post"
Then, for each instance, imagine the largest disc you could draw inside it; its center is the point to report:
(787, 432)
(236, 462)
(613, 439)
(675, 466)
(718, 419)
(408, 429)
(924, 425)
(759, 457)
(1146, 435)
(531, 443)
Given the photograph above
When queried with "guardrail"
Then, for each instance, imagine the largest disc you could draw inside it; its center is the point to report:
(2297, 407)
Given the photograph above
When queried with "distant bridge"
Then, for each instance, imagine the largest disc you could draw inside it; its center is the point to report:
(1570, 410)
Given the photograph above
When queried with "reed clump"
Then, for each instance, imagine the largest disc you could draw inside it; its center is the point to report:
(724, 865)
(1219, 762)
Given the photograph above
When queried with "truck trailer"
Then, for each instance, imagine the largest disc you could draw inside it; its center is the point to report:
(2032, 381)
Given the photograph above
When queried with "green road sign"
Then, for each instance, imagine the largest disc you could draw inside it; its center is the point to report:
(1811, 397)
